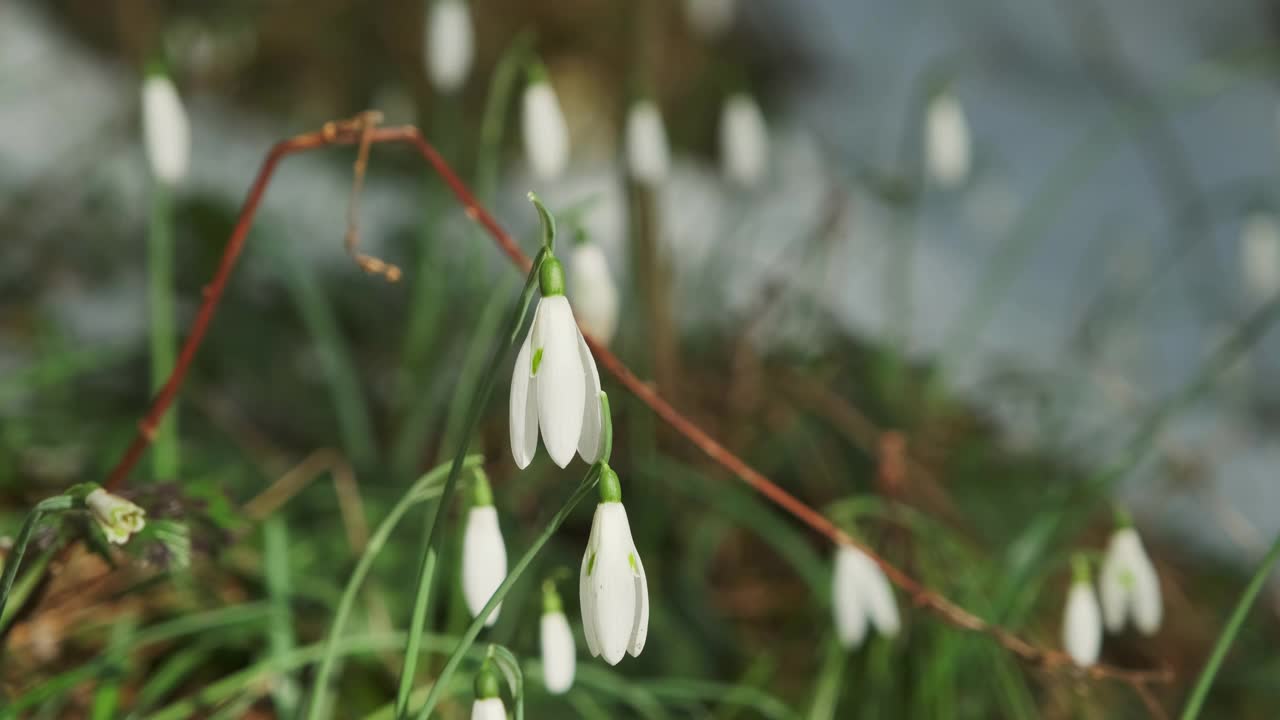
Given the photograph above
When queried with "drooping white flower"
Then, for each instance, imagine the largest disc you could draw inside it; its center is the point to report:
(710, 18)
(1129, 586)
(744, 140)
(947, 140)
(484, 554)
(555, 387)
(594, 294)
(118, 518)
(488, 704)
(450, 41)
(165, 129)
(1260, 256)
(613, 591)
(648, 156)
(860, 592)
(559, 654)
(546, 135)
(1082, 619)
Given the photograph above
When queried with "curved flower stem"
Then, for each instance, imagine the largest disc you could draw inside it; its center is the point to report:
(58, 503)
(160, 305)
(464, 644)
(1201, 691)
(428, 554)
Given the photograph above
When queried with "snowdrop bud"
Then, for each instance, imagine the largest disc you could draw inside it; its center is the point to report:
(947, 140)
(546, 135)
(559, 654)
(1260, 256)
(165, 130)
(488, 705)
(710, 18)
(1129, 586)
(613, 590)
(648, 157)
(555, 386)
(118, 518)
(450, 42)
(594, 294)
(484, 555)
(744, 140)
(1082, 621)
(861, 593)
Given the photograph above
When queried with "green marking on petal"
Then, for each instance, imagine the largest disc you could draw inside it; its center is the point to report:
(537, 360)
(591, 563)
(1127, 580)
(631, 560)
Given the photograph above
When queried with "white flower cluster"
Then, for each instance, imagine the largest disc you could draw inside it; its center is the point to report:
(1129, 590)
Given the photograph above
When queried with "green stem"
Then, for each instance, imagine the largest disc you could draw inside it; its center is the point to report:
(473, 630)
(1229, 633)
(164, 341)
(58, 503)
(421, 490)
(501, 89)
(427, 552)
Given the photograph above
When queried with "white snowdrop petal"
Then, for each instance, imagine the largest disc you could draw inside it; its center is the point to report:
(450, 41)
(876, 595)
(594, 294)
(590, 445)
(546, 135)
(559, 379)
(947, 140)
(559, 655)
(613, 584)
(166, 131)
(850, 617)
(1113, 588)
(489, 709)
(640, 630)
(1146, 603)
(484, 560)
(1260, 256)
(1082, 625)
(744, 140)
(523, 415)
(648, 155)
(586, 586)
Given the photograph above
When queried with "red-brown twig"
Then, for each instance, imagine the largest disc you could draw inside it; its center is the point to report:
(362, 132)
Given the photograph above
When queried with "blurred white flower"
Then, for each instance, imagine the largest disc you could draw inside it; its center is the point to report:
(1082, 620)
(744, 140)
(555, 387)
(118, 518)
(165, 129)
(484, 560)
(1260, 256)
(594, 293)
(546, 135)
(860, 592)
(450, 41)
(488, 709)
(648, 156)
(710, 18)
(488, 704)
(1129, 586)
(559, 654)
(947, 140)
(613, 591)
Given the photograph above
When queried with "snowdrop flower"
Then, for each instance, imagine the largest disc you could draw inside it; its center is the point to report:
(546, 135)
(710, 18)
(648, 157)
(488, 705)
(165, 131)
(555, 387)
(1129, 586)
(1082, 621)
(484, 555)
(613, 591)
(861, 593)
(947, 140)
(559, 654)
(744, 140)
(1260, 256)
(118, 518)
(594, 293)
(450, 44)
